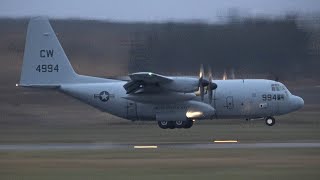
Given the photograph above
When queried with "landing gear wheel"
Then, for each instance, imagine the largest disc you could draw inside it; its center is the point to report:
(163, 124)
(179, 124)
(270, 121)
(188, 124)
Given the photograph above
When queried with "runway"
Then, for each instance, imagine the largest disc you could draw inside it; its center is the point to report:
(111, 146)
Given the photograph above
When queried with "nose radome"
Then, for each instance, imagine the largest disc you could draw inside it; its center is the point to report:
(298, 102)
(301, 102)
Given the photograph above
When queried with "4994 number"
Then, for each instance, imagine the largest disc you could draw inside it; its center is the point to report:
(272, 97)
(47, 68)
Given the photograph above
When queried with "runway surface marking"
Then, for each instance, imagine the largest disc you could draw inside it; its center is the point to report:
(109, 146)
(145, 147)
(225, 141)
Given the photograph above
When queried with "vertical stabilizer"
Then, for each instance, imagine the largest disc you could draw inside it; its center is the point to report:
(45, 62)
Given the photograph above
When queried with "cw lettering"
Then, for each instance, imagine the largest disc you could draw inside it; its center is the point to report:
(45, 53)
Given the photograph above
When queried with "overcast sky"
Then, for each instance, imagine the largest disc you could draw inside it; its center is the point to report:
(152, 10)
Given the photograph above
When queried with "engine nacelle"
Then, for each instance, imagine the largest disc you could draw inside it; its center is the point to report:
(169, 97)
(182, 84)
(184, 111)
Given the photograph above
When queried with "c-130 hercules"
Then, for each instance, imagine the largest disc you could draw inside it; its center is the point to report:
(171, 101)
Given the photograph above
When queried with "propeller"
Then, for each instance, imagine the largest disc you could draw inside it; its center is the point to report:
(210, 88)
(232, 74)
(206, 83)
(201, 82)
(225, 77)
(211, 85)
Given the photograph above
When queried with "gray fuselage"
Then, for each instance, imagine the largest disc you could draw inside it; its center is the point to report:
(247, 98)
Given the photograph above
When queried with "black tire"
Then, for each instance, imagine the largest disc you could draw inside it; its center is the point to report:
(270, 121)
(163, 124)
(179, 124)
(171, 124)
(188, 124)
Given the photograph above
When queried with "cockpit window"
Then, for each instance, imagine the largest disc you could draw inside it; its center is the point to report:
(277, 87)
(281, 87)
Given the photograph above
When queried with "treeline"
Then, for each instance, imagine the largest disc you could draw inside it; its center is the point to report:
(277, 48)
(251, 47)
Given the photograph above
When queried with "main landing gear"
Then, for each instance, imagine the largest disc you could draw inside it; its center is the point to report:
(270, 121)
(175, 124)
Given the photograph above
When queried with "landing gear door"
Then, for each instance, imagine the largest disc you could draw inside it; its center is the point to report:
(132, 110)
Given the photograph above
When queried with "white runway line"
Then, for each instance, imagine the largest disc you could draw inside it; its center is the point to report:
(225, 141)
(145, 147)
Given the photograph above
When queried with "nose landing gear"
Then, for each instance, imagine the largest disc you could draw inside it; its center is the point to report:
(270, 121)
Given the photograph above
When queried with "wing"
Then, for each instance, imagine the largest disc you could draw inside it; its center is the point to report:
(145, 81)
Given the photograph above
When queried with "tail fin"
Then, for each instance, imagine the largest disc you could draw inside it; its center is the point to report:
(44, 61)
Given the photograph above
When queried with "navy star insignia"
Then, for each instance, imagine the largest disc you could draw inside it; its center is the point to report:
(103, 96)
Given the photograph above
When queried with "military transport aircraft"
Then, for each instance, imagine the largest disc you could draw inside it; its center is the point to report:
(174, 102)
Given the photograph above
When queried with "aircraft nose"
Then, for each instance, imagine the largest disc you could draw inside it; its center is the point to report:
(297, 102)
